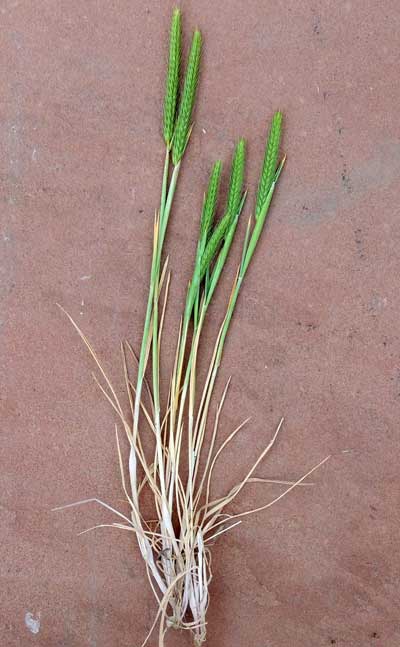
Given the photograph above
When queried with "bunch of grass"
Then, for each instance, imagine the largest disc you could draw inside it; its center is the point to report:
(176, 548)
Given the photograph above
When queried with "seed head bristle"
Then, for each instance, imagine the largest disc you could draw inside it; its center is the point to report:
(270, 162)
(210, 200)
(172, 84)
(183, 122)
(236, 179)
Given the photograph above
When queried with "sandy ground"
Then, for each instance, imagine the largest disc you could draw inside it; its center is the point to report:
(315, 338)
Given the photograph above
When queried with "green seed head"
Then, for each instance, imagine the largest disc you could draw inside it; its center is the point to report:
(172, 85)
(232, 207)
(210, 200)
(213, 244)
(183, 123)
(270, 162)
(236, 180)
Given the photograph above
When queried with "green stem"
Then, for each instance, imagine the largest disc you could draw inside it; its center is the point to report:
(249, 247)
(165, 209)
(168, 204)
(156, 388)
(164, 182)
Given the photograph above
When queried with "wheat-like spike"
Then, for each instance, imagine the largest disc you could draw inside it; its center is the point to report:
(210, 200)
(183, 122)
(218, 234)
(172, 84)
(270, 162)
(236, 179)
(232, 207)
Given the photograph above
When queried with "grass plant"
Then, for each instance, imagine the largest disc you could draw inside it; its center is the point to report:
(180, 467)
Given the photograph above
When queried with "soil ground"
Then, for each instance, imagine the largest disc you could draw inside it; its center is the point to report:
(315, 336)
